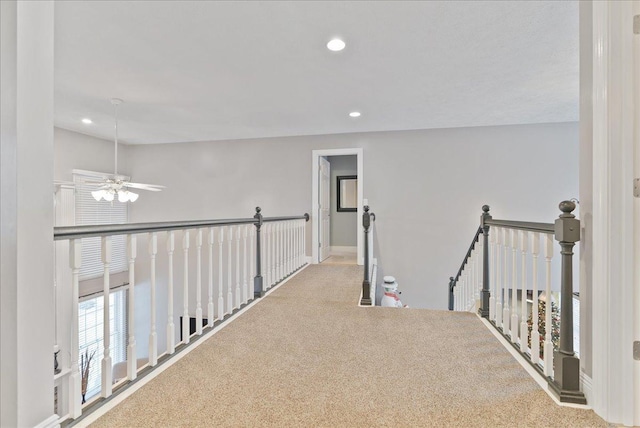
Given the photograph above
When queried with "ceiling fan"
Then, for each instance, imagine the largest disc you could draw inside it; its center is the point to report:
(112, 185)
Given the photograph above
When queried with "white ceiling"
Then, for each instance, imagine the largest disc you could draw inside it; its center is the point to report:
(193, 71)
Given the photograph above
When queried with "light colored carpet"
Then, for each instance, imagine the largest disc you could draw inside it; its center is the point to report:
(306, 356)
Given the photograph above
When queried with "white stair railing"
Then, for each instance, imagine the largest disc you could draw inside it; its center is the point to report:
(154, 275)
(503, 264)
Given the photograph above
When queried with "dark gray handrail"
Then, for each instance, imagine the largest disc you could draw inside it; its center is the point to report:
(453, 281)
(522, 225)
(469, 251)
(75, 232)
(300, 217)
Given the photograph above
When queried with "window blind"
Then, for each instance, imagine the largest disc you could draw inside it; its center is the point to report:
(91, 212)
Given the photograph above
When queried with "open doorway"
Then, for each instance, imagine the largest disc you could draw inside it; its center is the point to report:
(342, 234)
(337, 205)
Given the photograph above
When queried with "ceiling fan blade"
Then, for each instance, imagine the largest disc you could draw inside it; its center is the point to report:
(151, 187)
(93, 183)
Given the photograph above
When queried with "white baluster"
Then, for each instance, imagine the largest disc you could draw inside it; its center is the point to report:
(238, 292)
(132, 368)
(288, 248)
(293, 245)
(304, 242)
(266, 269)
(245, 281)
(524, 328)
(210, 313)
(535, 334)
(477, 283)
(467, 288)
(299, 244)
(75, 379)
(492, 280)
(230, 272)
(266, 247)
(469, 284)
(463, 293)
(252, 261)
(274, 237)
(278, 263)
(220, 274)
(463, 302)
(199, 282)
(293, 224)
(497, 251)
(548, 344)
(514, 286)
(186, 331)
(472, 287)
(472, 282)
(153, 338)
(285, 249)
(106, 327)
(171, 329)
(506, 314)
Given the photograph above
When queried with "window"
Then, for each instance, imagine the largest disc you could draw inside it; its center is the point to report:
(90, 211)
(91, 322)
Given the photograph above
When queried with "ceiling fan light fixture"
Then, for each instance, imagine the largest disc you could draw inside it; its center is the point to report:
(123, 196)
(114, 185)
(97, 194)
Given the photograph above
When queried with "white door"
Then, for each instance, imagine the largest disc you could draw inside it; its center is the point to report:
(324, 207)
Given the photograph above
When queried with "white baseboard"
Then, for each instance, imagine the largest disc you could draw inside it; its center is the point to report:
(542, 382)
(586, 384)
(50, 422)
(335, 250)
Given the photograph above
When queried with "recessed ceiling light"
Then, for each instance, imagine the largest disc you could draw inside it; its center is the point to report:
(336, 45)
(87, 121)
(354, 114)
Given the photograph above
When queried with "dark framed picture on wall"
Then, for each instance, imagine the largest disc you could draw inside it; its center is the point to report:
(347, 186)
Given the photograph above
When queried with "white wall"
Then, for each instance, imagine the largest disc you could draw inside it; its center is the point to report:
(426, 187)
(343, 224)
(78, 151)
(586, 183)
(26, 216)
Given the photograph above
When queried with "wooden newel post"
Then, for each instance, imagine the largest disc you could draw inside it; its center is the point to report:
(485, 294)
(566, 366)
(366, 283)
(257, 281)
(452, 284)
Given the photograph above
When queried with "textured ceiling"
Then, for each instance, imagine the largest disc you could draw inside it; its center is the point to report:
(193, 71)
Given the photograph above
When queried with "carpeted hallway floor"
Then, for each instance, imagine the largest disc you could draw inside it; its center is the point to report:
(307, 356)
